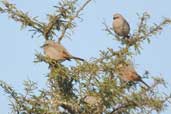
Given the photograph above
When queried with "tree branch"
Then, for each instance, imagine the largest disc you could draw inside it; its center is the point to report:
(71, 19)
(22, 17)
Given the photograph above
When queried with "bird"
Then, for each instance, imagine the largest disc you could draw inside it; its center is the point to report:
(128, 73)
(57, 51)
(92, 100)
(120, 25)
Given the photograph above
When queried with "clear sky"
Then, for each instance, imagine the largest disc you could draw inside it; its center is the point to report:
(18, 48)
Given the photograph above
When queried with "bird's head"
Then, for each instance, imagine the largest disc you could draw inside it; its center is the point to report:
(48, 43)
(117, 16)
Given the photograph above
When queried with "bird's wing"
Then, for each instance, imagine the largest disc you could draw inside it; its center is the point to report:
(66, 55)
(52, 53)
(126, 28)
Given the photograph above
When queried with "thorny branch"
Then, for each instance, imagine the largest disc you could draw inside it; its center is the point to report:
(131, 103)
(87, 69)
(22, 17)
(50, 25)
(15, 96)
(71, 19)
(46, 30)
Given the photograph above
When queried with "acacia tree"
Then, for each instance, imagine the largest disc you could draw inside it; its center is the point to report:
(90, 87)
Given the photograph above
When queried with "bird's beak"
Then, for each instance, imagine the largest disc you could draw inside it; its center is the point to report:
(43, 45)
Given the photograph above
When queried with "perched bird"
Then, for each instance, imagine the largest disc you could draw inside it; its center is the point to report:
(57, 52)
(120, 26)
(92, 100)
(128, 73)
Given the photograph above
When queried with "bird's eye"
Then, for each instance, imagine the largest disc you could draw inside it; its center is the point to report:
(115, 18)
(46, 44)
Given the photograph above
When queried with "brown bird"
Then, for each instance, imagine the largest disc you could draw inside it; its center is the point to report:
(92, 100)
(57, 51)
(128, 73)
(120, 26)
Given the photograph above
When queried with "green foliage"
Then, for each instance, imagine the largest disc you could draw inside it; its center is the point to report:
(90, 87)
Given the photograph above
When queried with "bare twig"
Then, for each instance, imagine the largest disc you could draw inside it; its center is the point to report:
(108, 29)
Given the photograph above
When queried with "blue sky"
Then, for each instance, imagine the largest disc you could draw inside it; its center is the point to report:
(18, 48)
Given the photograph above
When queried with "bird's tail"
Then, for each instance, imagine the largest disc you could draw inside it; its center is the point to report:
(145, 84)
(77, 58)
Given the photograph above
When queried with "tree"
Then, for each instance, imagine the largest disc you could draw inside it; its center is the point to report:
(90, 87)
